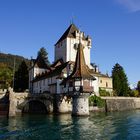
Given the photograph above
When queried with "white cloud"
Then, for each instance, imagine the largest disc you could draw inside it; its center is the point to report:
(131, 5)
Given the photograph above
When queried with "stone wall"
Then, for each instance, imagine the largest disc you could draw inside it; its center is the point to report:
(80, 106)
(121, 103)
(62, 104)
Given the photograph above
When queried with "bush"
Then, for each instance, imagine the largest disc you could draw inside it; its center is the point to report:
(103, 92)
(134, 93)
(96, 101)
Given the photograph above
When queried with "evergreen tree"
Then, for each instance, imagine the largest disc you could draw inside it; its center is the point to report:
(138, 86)
(21, 78)
(120, 81)
(42, 54)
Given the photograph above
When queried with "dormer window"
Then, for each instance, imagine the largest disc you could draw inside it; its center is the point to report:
(89, 43)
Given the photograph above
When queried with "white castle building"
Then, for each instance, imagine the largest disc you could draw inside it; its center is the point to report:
(72, 60)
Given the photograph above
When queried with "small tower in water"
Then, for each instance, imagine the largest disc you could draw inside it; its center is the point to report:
(80, 84)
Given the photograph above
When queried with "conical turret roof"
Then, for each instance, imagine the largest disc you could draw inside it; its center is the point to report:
(80, 70)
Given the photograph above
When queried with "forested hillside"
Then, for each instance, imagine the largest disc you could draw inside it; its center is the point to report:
(8, 59)
(9, 65)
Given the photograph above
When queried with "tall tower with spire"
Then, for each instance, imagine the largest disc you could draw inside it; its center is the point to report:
(66, 46)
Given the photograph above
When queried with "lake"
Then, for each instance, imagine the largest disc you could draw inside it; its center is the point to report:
(98, 126)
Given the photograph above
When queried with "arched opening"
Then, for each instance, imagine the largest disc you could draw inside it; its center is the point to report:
(35, 107)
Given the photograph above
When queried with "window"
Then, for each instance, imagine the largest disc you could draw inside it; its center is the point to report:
(106, 84)
(70, 84)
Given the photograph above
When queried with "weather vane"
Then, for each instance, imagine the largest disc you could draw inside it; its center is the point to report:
(72, 19)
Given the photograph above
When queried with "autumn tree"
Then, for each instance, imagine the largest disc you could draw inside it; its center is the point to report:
(6, 76)
(120, 81)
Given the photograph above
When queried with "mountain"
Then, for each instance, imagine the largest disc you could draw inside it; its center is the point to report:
(9, 60)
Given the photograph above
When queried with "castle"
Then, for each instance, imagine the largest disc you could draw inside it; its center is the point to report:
(71, 73)
(48, 79)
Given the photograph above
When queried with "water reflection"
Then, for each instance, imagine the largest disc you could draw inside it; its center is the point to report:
(98, 126)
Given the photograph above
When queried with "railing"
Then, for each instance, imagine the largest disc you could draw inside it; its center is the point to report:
(87, 89)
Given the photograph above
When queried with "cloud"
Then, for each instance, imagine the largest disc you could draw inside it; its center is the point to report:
(131, 5)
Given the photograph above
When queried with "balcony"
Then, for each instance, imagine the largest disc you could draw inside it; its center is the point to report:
(86, 89)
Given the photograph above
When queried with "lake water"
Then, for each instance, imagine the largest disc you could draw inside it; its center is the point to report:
(98, 126)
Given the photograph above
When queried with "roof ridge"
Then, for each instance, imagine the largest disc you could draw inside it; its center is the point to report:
(68, 32)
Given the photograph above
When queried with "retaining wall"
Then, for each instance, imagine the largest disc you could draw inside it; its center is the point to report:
(121, 103)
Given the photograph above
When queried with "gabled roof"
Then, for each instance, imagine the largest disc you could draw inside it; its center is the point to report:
(40, 63)
(70, 32)
(99, 74)
(55, 72)
(57, 63)
(80, 69)
(58, 70)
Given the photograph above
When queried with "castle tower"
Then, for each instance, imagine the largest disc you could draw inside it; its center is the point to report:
(66, 46)
(79, 84)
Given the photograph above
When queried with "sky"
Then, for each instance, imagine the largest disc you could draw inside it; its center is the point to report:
(114, 26)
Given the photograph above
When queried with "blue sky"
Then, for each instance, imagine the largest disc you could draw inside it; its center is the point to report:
(114, 25)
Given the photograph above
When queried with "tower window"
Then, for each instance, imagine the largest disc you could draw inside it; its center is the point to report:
(70, 84)
(106, 84)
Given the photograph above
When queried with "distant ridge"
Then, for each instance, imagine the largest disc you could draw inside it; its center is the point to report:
(8, 59)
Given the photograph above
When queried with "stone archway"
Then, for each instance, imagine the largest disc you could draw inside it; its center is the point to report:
(35, 107)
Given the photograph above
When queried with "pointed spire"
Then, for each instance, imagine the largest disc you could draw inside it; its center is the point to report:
(80, 68)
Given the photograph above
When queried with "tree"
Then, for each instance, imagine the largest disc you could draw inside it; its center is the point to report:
(6, 76)
(42, 54)
(138, 86)
(21, 78)
(120, 81)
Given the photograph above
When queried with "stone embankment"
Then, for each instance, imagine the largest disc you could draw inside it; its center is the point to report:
(121, 103)
(4, 102)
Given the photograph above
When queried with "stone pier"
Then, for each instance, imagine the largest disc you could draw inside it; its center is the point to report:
(62, 104)
(80, 104)
(12, 103)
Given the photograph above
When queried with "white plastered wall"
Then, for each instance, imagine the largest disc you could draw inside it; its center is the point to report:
(96, 85)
